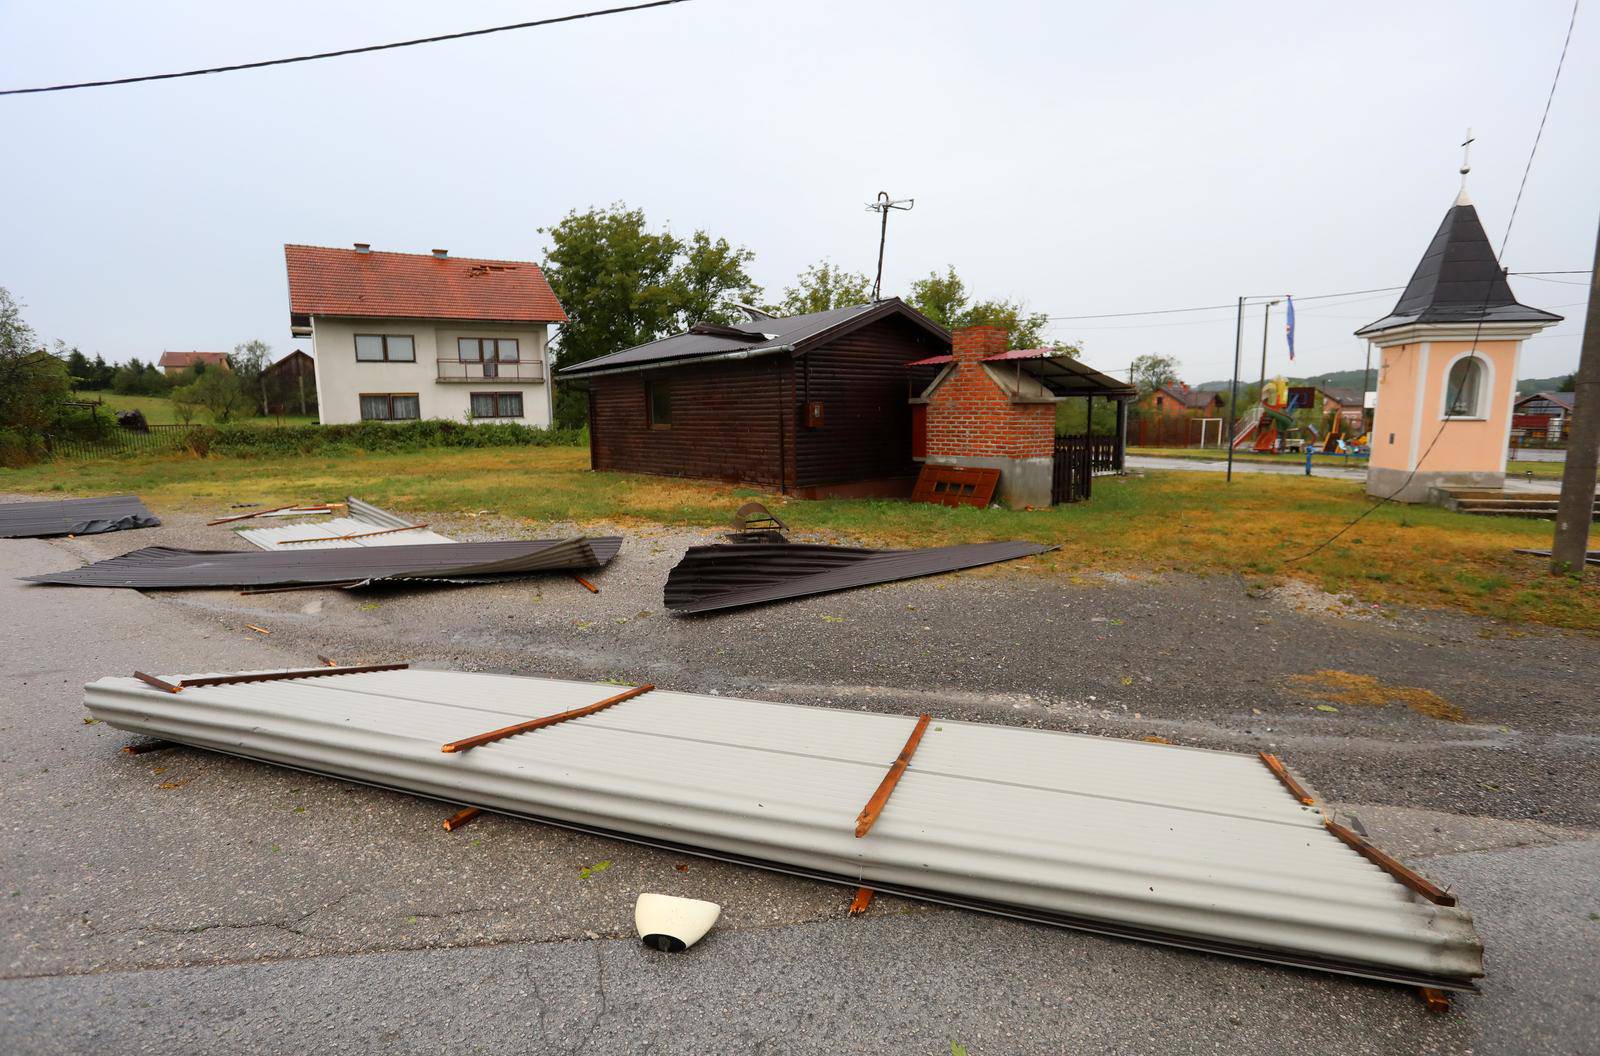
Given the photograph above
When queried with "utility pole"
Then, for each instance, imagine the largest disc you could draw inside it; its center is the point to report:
(882, 206)
(1266, 313)
(1576, 510)
(1233, 395)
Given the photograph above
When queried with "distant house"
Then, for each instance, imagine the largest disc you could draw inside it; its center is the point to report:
(1178, 400)
(291, 384)
(178, 362)
(1542, 416)
(1348, 405)
(400, 336)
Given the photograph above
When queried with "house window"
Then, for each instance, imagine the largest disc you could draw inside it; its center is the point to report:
(489, 351)
(1159, 402)
(385, 348)
(1464, 389)
(658, 402)
(497, 405)
(389, 406)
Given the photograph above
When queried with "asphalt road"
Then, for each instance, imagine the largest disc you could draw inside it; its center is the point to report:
(183, 902)
(1513, 483)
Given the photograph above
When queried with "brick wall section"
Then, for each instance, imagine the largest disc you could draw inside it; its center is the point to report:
(969, 416)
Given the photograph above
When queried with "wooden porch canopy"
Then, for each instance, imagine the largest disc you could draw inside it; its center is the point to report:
(1056, 375)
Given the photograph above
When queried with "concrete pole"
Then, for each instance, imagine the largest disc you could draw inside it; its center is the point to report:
(1233, 394)
(1576, 511)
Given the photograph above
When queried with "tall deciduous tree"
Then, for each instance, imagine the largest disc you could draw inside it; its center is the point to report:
(34, 385)
(623, 284)
(249, 361)
(945, 300)
(1151, 371)
(824, 286)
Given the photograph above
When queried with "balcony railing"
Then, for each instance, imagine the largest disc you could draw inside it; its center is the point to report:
(492, 370)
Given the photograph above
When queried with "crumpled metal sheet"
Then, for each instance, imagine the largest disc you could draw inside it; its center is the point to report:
(110, 513)
(342, 533)
(730, 576)
(167, 568)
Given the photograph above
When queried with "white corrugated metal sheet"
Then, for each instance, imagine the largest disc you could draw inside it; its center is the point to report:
(1178, 845)
(322, 534)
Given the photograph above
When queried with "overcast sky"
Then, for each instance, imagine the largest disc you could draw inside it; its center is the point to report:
(1084, 158)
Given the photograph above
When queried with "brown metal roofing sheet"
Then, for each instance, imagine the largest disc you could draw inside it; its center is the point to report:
(109, 513)
(165, 568)
(730, 576)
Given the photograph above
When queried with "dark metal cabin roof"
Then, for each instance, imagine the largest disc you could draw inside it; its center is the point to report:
(1458, 281)
(732, 576)
(111, 513)
(166, 568)
(794, 333)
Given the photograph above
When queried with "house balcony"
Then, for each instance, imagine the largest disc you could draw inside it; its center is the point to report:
(523, 370)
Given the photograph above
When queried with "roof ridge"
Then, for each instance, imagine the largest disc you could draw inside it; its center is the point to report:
(418, 256)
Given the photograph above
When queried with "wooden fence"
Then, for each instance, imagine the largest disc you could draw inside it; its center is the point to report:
(1172, 431)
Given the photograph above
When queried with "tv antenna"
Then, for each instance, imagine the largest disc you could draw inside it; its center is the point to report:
(882, 206)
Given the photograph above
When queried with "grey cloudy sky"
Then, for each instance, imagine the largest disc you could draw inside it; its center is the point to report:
(1085, 158)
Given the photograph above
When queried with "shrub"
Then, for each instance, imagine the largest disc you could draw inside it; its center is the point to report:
(266, 441)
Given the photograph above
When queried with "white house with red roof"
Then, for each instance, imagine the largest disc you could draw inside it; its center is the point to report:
(401, 336)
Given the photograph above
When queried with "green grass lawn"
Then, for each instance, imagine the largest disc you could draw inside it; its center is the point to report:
(158, 410)
(1191, 522)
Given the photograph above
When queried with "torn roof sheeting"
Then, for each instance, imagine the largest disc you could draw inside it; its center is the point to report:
(732, 575)
(110, 513)
(164, 568)
(1169, 844)
(364, 525)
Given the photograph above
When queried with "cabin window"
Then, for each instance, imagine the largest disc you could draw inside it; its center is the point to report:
(389, 406)
(658, 401)
(385, 348)
(1465, 389)
(497, 405)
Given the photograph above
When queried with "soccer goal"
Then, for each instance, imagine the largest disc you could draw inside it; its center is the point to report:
(1206, 425)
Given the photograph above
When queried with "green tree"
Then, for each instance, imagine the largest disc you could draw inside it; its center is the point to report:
(249, 361)
(34, 386)
(186, 402)
(945, 300)
(1151, 371)
(79, 369)
(220, 393)
(1569, 384)
(824, 286)
(623, 284)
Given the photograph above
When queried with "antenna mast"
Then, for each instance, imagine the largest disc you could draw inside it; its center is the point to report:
(882, 206)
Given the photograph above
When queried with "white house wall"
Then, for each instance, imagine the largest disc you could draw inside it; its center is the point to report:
(342, 379)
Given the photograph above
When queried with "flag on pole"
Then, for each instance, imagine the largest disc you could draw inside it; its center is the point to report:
(1288, 329)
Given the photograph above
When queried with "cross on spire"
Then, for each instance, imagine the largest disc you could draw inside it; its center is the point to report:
(1466, 166)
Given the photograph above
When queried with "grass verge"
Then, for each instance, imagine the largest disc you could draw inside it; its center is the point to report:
(1189, 522)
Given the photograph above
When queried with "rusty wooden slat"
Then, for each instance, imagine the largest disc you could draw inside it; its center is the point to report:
(327, 661)
(352, 535)
(232, 517)
(869, 813)
(590, 587)
(279, 676)
(538, 724)
(863, 899)
(460, 818)
(1437, 1001)
(1281, 772)
(1395, 868)
(159, 683)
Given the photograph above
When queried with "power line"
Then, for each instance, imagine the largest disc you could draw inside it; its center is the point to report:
(1488, 293)
(579, 16)
(1215, 307)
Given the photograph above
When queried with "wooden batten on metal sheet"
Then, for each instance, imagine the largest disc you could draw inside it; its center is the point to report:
(1393, 866)
(460, 818)
(1281, 772)
(353, 535)
(1435, 1000)
(159, 683)
(279, 676)
(258, 513)
(869, 813)
(501, 734)
(863, 899)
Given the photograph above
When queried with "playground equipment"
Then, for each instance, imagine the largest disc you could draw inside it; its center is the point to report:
(1273, 418)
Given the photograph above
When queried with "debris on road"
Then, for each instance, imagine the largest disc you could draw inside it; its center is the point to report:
(166, 568)
(733, 575)
(1199, 849)
(672, 924)
(363, 525)
(38, 520)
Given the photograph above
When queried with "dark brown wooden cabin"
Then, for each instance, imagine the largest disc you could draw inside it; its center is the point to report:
(811, 404)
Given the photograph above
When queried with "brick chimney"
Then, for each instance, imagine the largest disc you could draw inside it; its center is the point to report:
(972, 421)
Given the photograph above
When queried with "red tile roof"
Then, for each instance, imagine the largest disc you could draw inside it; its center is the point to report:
(324, 281)
(189, 359)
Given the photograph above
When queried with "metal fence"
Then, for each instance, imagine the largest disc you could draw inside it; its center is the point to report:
(118, 441)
